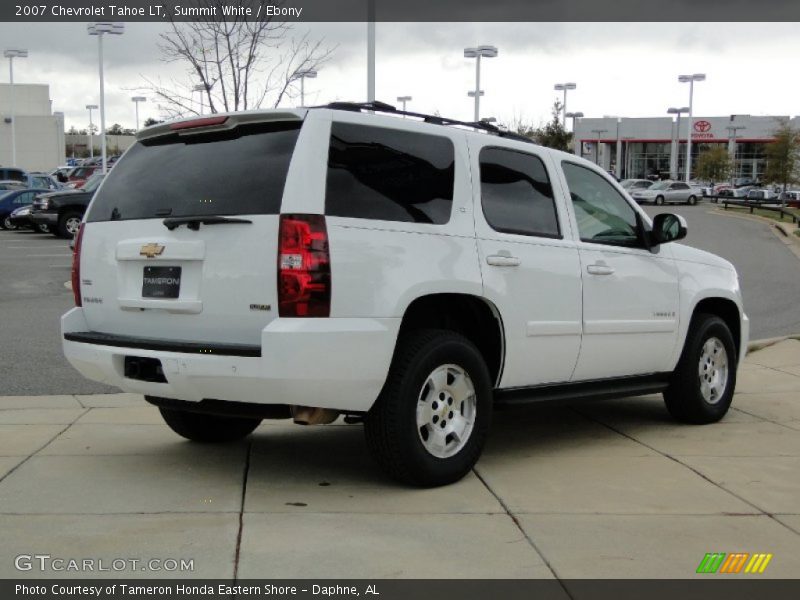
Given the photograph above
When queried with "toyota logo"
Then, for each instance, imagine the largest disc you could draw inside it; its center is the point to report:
(702, 126)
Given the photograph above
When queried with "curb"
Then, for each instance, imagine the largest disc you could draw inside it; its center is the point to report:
(757, 345)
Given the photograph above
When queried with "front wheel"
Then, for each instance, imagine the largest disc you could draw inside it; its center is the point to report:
(5, 223)
(692, 200)
(702, 385)
(431, 420)
(659, 200)
(200, 427)
(68, 224)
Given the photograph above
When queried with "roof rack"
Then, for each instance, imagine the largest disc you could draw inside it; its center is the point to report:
(382, 107)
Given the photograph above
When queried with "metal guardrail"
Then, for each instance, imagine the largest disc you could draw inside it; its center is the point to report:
(727, 200)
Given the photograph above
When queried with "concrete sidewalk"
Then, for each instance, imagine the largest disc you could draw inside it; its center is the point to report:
(611, 489)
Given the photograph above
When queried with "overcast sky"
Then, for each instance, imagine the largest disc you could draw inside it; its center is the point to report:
(624, 69)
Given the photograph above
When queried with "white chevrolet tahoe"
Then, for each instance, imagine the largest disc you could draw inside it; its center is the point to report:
(407, 273)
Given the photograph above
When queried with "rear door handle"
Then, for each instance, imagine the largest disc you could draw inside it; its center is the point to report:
(501, 260)
(600, 270)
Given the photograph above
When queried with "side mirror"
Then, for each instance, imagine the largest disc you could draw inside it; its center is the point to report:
(667, 227)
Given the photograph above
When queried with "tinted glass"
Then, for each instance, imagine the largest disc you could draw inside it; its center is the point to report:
(236, 172)
(516, 194)
(390, 175)
(603, 215)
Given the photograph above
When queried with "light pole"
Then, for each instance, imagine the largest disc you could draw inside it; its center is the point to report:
(575, 116)
(370, 50)
(11, 54)
(598, 133)
(302, 76)
(100, 29)
(199, 88)
(732, 147)
(673, 158)
(90, 108)
(404, 99)
(690, 79)
(477, 53)
(136, 100)
(564, 87)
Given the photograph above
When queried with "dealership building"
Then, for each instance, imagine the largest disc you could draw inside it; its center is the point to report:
(653, 146)
(39, 130)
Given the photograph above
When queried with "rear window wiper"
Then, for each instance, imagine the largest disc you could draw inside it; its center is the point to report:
(194, 222)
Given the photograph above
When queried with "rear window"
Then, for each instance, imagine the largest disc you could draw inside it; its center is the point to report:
(389, 175)
(235, 172)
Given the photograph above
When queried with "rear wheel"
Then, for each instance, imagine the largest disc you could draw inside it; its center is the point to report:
(38, 228)
(431, 420)
(200, 427)
(5, 223)
(659, 200)
(68, 224)
(692, 200)
(702, 385)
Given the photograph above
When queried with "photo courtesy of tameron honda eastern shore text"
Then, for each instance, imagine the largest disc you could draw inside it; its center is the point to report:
(404, 273)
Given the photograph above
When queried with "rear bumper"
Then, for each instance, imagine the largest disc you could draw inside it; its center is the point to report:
(327, 363)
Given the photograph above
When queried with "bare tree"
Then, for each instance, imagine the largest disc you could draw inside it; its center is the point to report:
(235, 63)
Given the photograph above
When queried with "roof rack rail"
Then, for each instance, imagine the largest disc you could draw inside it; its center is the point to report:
(383, 107)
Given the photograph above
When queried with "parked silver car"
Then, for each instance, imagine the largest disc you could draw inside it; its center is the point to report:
(667, 192)
(762, 196)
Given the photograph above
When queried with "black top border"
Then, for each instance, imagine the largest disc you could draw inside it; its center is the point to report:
(309, 11)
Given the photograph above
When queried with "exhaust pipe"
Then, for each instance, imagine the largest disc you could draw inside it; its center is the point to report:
(308, 415)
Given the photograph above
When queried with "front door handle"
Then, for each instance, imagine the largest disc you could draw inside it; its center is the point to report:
(600, 270)
(502, 260)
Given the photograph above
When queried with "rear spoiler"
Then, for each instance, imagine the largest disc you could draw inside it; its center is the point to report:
(220, 122)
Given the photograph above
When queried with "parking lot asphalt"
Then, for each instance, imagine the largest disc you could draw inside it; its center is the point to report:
(34, 268)
(612, 489)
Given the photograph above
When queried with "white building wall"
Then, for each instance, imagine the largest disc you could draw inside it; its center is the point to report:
(39, 131)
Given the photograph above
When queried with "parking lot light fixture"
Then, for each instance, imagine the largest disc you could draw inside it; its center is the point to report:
(200, 87)
(564, 87)
(302, 75)
(100, 29)
(90, 108)
(598, 133)
(676, 138)
(575, 116)
(404, 100)
(11, 54)
(732, 130)
(136, 100)
(690, 79)
(477, 53)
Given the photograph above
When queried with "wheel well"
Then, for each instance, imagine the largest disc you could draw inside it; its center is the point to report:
(727, 311)
(472, 317)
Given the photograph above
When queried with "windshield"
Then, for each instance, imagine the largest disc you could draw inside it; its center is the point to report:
(93, 182)
(661, 185)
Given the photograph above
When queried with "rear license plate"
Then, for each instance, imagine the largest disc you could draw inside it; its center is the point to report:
(161, 282)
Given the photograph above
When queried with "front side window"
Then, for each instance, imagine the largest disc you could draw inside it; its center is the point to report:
(389, 175)
(603, 215)
(516, 194)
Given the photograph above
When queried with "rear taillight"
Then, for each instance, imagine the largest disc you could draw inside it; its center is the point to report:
(76, 266)
(304, 269)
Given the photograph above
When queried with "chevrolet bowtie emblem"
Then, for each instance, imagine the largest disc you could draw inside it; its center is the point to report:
(151, 250)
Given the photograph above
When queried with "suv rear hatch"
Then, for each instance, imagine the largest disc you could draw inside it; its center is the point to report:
(180, 241)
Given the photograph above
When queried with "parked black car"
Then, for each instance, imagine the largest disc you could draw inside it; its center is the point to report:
(63, 211)
(13, 199)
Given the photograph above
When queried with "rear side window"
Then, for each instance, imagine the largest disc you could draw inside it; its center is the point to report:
(235, 172)
(516, 194)
(389, 175)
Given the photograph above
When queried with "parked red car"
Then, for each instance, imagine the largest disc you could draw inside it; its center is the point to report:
(79, 175)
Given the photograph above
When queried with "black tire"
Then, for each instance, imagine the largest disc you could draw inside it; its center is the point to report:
(67, 227)
(684, 398)
(391, 429)
(692, 200)
(4, 223)
(40, 228)
(200, 427)
(659, 200)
